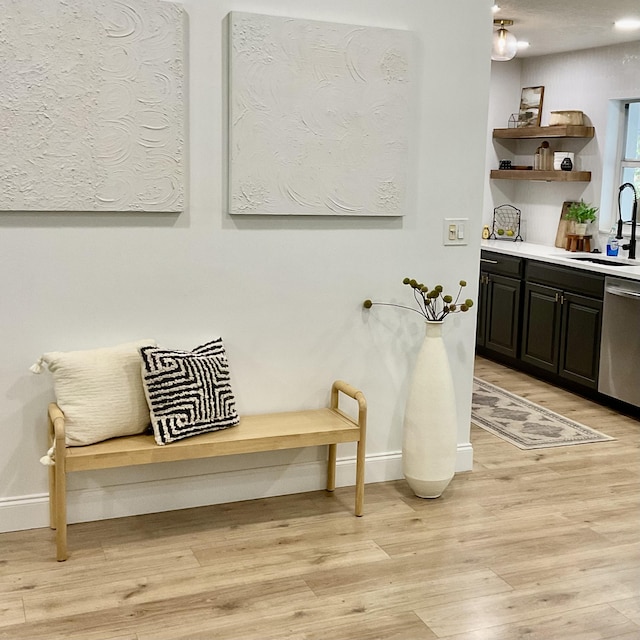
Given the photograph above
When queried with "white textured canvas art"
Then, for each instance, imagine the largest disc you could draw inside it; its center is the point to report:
(91, 105)
(319, 117)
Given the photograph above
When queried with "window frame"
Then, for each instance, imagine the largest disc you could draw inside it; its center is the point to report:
(615, 161)
(624, 162)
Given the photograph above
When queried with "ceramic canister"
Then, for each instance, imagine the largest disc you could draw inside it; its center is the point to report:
(559, 156)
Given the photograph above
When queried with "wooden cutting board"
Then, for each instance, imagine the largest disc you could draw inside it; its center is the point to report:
(563, 227)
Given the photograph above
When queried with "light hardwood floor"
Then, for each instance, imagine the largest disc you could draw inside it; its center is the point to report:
(538, 545)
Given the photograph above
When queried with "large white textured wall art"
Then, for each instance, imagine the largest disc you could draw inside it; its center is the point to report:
(319, 117)
(91, 105)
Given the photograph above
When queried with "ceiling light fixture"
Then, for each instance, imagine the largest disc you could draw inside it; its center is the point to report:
(505, 44)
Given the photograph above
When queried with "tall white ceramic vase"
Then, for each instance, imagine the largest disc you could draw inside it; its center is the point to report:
(430, 438)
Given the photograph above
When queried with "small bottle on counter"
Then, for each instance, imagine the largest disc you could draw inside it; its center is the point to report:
(485, 232)
(612, 242)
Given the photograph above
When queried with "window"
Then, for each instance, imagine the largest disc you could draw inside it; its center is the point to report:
(630, 157)
(620, 162)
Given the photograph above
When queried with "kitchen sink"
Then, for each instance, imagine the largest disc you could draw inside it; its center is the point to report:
(610, 262)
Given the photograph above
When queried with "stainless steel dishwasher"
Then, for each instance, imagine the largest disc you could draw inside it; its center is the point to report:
(620, 345)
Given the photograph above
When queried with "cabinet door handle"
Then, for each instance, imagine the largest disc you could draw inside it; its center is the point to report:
(557, 297)
(489, 261)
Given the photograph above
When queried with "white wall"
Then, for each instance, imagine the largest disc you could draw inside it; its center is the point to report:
(285, 293)
(584, 80)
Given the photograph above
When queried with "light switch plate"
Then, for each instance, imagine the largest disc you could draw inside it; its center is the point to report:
(455, 231)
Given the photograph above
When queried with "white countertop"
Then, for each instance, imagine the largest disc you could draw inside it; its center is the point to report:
(558, 256)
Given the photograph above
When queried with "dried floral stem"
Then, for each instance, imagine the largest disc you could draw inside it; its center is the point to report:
(400, 306)
(432, 304)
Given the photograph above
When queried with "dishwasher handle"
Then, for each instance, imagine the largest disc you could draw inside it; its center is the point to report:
(623, 292)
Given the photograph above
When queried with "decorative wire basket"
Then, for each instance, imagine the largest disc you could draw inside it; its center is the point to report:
(506, 223)
(518, 120)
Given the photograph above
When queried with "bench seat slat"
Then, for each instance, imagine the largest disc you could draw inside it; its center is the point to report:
(254, 433)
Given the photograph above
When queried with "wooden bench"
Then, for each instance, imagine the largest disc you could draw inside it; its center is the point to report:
(268, 432)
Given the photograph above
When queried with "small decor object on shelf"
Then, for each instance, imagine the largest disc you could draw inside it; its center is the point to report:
(566, 164)
(429, 438)
(559, 156)
(505, 164)
(531, 106)
(571, 117)
(517, 120)
(506, 223)
(543, 158)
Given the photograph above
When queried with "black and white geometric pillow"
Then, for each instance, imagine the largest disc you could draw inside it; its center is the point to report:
(212, 348)
(189, 392)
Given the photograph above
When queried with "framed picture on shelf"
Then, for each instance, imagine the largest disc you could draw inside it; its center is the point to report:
(530, 107)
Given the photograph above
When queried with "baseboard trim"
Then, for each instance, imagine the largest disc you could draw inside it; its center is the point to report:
(116, 501)
(24, 512)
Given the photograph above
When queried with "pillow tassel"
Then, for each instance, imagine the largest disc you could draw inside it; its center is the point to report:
(49, 459)
(36, 367)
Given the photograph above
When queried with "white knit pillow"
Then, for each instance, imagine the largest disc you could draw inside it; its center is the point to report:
(99, 391)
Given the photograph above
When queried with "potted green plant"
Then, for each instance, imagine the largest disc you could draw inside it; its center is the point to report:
(581, 213)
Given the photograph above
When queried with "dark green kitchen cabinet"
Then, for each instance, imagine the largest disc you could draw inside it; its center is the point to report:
(499, 304)
(499, 314)
(561, 322)
(541, 326)
(580, 345)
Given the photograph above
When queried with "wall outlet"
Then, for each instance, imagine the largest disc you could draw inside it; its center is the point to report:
(455, 231)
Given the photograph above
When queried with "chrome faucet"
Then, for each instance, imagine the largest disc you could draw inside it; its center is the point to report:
(631, 246)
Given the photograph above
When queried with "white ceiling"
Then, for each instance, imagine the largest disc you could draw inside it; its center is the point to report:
(554, 26)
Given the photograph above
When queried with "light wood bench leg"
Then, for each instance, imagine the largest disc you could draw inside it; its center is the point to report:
(359, 510)
(58, 484)
(60, 512)
(358, 396)
(52, 498)
(331, 467)
(52, 478)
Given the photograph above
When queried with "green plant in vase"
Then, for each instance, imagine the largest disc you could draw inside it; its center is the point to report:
(581, 213)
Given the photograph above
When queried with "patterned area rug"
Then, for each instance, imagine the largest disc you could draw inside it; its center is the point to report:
(525, 424)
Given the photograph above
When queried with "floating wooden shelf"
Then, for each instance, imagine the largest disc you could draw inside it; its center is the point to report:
(546, 176)
(556, 131)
